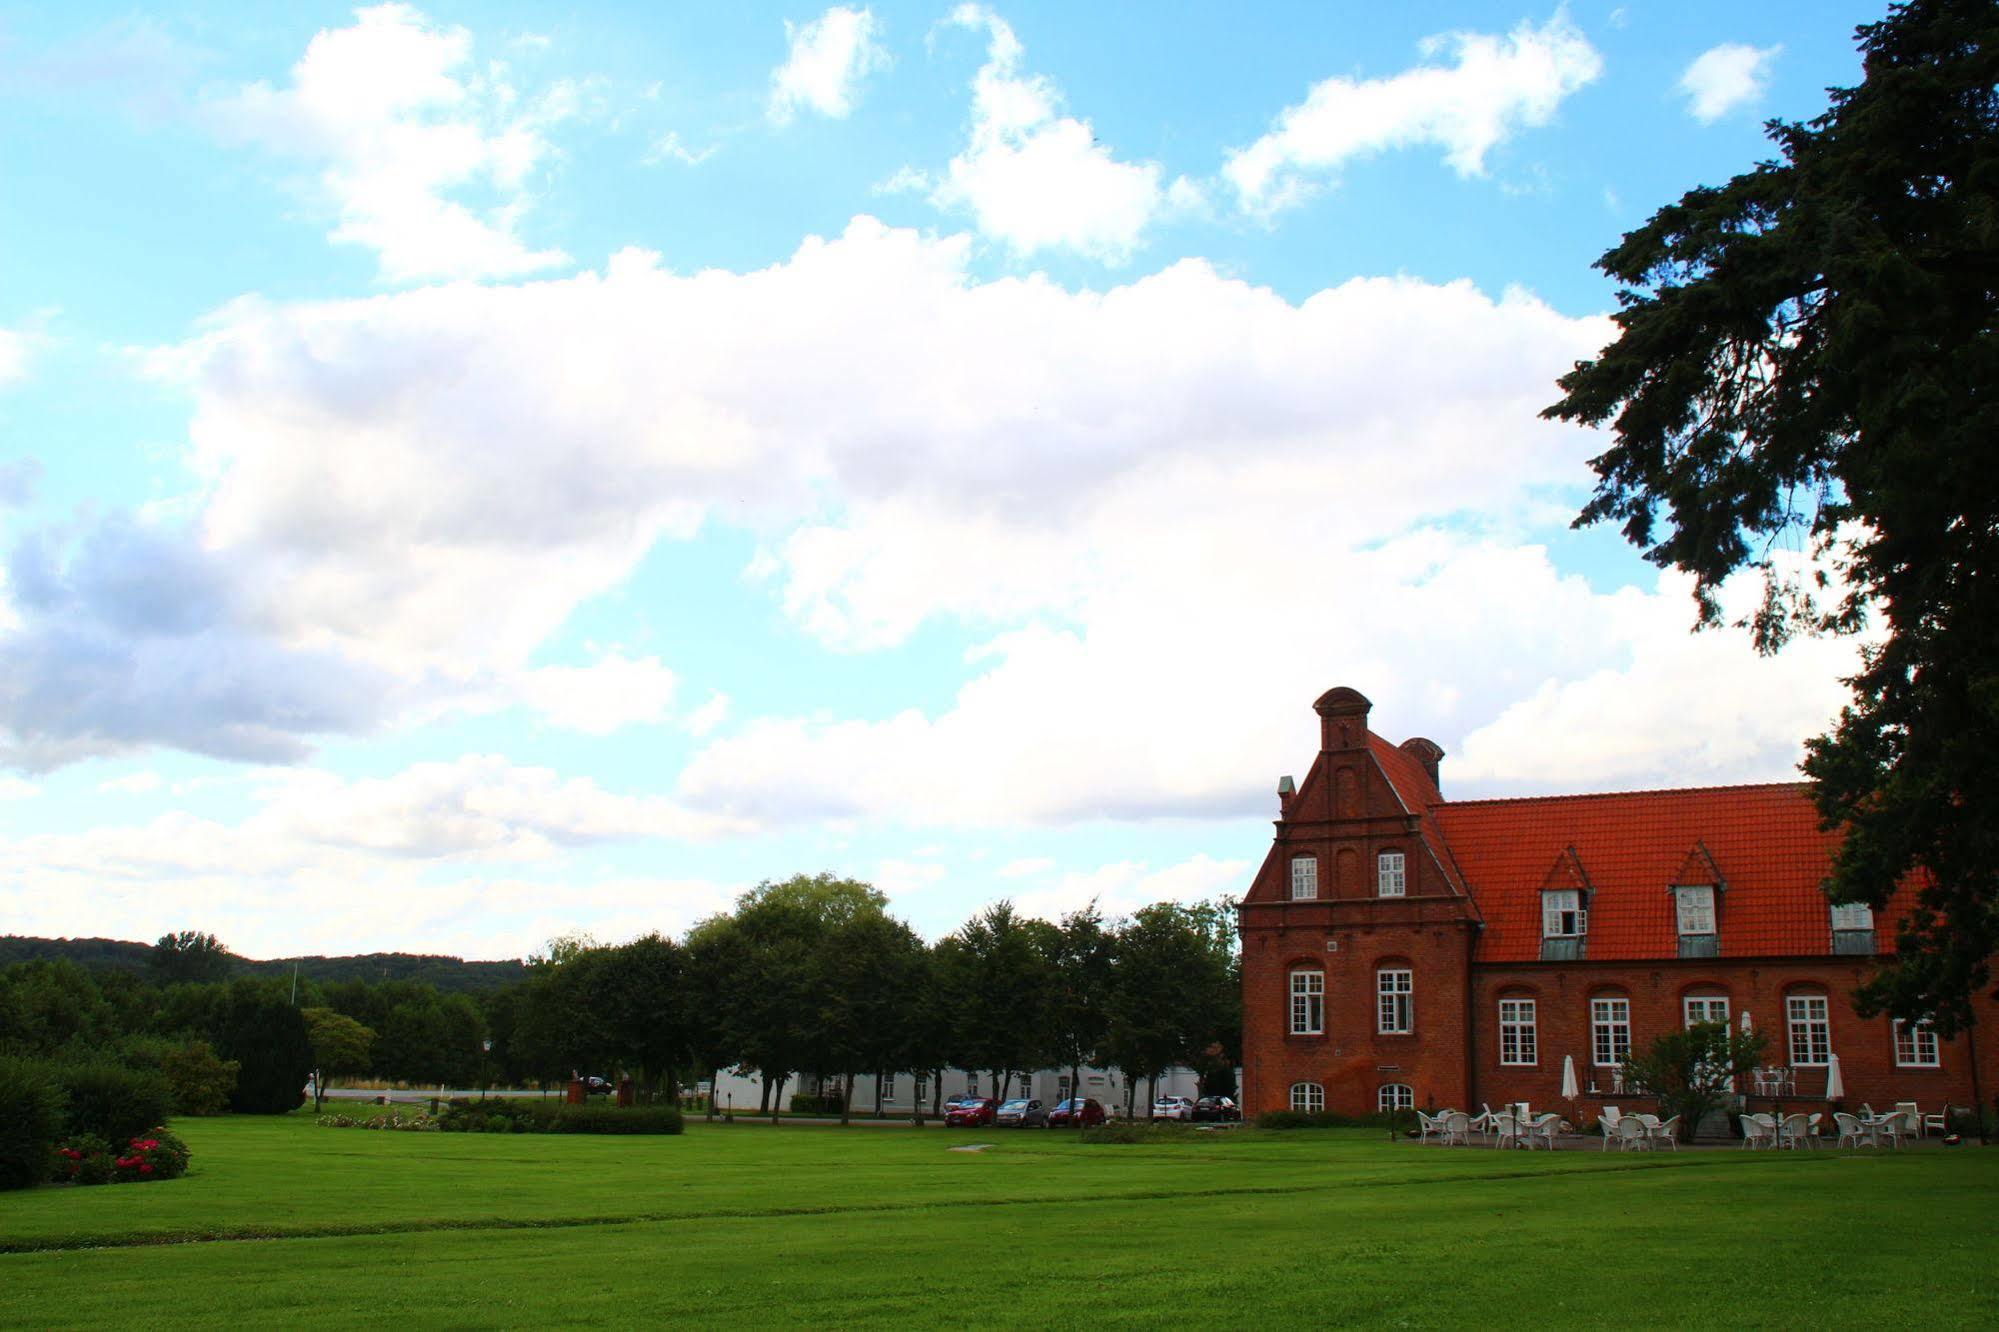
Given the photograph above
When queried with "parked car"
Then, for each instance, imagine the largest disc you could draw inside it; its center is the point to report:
(1073, 1113)
(1173, 1107)
(1020, 1113)
(1217, 1110)
(597, 1087)
(971, 1112)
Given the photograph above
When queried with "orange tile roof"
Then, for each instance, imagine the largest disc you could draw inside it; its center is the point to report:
(1763, 843)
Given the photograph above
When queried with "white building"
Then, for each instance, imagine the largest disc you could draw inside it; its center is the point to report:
(903, 1093)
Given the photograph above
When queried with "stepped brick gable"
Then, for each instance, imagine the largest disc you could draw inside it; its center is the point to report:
(1400, 948)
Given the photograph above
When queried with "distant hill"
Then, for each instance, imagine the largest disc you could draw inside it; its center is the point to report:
(446, 973)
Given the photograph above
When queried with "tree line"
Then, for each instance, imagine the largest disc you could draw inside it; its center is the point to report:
(809, 977)
(813, 977)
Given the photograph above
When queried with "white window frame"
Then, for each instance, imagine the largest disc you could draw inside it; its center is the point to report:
(886, 1086)
(1558, 903)
(1852, 916)
(1395, 1001)
(1519, 1034)
(1693, 909)
(1395, 1096)
(1304, 878)
(1308, 1098)
(1308, 1002)
(972, 1085)
(1701, 1008)
(1914, 1041)
(1808, 1029)
(1391, 874)
(1609, 1031)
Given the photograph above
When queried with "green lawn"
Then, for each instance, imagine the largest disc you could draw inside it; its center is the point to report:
(749, 1225)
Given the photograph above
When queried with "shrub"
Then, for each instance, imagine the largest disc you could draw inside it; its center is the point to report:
(31, 1119)
(809, 1103)
(199, 1080)
(150, 1157)
(1299, 1119)
(1126, 1131)
(112, 1101)
(503, 1116)
(266, 1036)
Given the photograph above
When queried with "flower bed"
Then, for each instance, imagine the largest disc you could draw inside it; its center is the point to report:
(91, 1160)
(395, 1121)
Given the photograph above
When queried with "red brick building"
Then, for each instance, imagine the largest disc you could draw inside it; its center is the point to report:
(1404, 949)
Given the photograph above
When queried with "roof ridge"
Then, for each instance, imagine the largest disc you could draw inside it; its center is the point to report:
(1614, 795)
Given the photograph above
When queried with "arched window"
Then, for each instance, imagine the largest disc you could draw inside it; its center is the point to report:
(1304, 878)
(1394, 989)
(1389, 879)
(1308, 1097)
(1308, 1002)
(1396, 1096)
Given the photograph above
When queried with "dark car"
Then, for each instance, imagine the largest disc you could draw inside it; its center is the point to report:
(1073, 1113)
(971, 1112)
(1217, 1110)
(1021, 1114)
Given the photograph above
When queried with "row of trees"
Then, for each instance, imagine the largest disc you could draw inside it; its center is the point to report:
(814, 976)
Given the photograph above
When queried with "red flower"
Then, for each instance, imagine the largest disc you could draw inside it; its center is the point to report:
(146, 1168)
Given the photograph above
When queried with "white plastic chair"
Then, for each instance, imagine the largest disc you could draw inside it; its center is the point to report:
(1428, 1125)
(1893, 1126)
(1607, 1121)
(1756, 1133)
(1912, 1117)
(1542, 1131)
(1507, 1128)
(1939, 1122)
(1457, 1128)
(1631, 1134)
(1852, 1133)
(1794, 1132)
(1667, 1133)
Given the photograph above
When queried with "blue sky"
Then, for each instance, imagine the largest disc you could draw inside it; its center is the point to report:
(468, 475)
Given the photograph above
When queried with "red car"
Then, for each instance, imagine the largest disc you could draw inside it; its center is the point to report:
(1085, 1113)
(971, 1113)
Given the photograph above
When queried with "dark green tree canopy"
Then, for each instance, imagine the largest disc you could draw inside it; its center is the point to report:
(1806, 365)
(190, 955)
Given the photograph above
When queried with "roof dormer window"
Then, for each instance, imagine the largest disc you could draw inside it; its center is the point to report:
(1853, 929)
(1564, 923)
(1693, 905)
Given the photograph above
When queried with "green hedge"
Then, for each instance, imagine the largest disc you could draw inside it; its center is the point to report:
(503, 1116)
(31, 1121)
(110, 1100)
(1298, 1119)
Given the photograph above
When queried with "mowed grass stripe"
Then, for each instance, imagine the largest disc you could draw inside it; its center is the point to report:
(1848, 1244)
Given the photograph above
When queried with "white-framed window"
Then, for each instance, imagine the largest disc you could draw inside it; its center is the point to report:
(1915, 1045)
(922, 1090)
(1695, 906)
(1304, 878)
(972, 1085)
(1308, 1003)
(1395, 1096)
(1704, 1008)
(1610, 1031)
(1517, 1037)
(1393, 988)
(1562, 914)
(1308, 1097)
(1810, 1029)
(1062, 1088)
(887, 1088)
(1390, 879)
(1853, 916)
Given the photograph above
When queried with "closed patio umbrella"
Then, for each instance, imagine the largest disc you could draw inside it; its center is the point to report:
(1569, 1087)
(1835, 1085)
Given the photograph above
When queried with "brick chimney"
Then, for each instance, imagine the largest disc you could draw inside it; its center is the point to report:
(1342, 719)
(1428, 753)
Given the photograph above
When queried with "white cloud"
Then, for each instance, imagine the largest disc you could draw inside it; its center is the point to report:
(137, 783)
(669, 148)
(1725, 77)
(828, 60)
(1492, 88)
(1124, 886)
(709, 715)
(1036, 179)
(612, 692)
(474, 855)
(900, 878)
(13, 355)
(404, 125)
(1025, 867)
(13, 788)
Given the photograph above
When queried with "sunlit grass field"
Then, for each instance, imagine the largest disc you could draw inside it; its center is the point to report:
(748, 1225)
